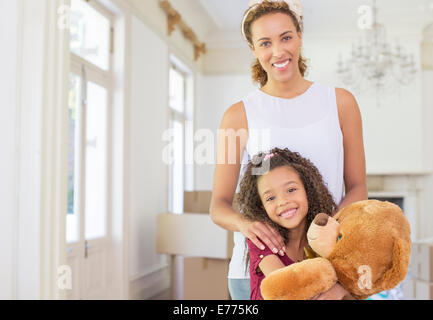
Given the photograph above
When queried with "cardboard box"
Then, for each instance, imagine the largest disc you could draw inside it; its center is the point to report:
(197, 201)
(422, 260)
(423, 290)
(205, 279)
(192, 234)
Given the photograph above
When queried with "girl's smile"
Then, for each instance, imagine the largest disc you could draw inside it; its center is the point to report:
(289, 213)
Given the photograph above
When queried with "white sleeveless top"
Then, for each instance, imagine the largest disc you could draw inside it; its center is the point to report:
(307, 124)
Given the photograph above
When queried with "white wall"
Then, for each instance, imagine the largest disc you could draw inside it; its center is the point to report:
(32, 140)
(426, 205)
(8, 140)
(21, 140)
(393, 133)
(150, 12)
(148, 120)
(215, 94)
(427, 116)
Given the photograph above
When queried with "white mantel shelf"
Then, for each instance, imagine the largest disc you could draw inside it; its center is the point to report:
(400, 174)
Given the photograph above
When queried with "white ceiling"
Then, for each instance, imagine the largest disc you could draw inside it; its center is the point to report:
(322, 16)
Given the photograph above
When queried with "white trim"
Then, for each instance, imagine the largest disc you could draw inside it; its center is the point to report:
(78, 61)
(120, 149)
(18, 93)
(32, 102)
(147, 271)
(41, 96)
(150, 284)
(126, 159)
(54, 152)
(101, 8)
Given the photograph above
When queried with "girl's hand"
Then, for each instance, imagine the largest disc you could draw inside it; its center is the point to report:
(337, 292)
(261, 234)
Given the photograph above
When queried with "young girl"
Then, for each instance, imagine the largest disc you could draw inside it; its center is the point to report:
(286, 191)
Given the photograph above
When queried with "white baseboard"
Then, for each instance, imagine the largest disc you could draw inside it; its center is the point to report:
(149, 284)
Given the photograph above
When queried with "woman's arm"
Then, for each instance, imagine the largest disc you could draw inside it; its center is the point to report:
(226, 172)
(354, 156)
(232, 139)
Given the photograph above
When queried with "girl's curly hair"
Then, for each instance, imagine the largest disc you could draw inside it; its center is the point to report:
(258, 73)
(248, 199)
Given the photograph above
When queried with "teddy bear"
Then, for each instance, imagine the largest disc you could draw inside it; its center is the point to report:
(365, 247)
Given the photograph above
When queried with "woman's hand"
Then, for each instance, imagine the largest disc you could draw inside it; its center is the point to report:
(261, 234)
(337, 292)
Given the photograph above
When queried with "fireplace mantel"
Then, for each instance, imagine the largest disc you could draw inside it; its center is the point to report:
(405, 186)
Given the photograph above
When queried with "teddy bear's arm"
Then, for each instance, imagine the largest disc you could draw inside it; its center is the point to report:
(299, 281)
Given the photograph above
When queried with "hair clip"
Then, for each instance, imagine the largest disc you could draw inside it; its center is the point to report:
(269, 156)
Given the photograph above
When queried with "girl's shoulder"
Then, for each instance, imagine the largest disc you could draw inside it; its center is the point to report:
(256, 252)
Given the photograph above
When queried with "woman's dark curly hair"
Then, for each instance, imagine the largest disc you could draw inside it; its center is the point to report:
(248, 199)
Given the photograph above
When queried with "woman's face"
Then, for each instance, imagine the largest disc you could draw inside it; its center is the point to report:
(276, 44)
(283, 196)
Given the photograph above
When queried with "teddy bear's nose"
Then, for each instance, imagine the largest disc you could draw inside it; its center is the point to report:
(321, 219)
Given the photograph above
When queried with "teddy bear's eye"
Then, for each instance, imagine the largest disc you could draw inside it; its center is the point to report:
(339, 237)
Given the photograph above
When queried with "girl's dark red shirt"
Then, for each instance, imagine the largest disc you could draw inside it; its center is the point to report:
(256, 277)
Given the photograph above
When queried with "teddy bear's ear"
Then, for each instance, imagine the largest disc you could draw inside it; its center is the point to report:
(342, 214)
(399, 267)
(356, 207)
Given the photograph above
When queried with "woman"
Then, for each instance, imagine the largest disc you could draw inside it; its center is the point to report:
(322, 123)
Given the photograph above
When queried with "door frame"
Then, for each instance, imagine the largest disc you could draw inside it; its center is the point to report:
(118, 255)
(77, 251)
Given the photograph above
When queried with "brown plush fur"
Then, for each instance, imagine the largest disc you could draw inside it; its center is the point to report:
(374, 234)
(314, 275)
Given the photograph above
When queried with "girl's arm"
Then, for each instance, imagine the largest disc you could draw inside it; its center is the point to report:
(354, 156)
(270, 263)
(232, 139)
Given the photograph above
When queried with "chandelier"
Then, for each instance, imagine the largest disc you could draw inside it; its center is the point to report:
(374, 63)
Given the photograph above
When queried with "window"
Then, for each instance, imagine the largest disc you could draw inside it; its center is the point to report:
(75, 99)
(90, 34)
(89, 118)
(181, 120)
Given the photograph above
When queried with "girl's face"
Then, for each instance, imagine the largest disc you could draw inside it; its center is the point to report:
(276, 44)
(283, 196)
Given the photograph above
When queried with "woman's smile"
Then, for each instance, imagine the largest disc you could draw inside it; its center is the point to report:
(282, 66)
